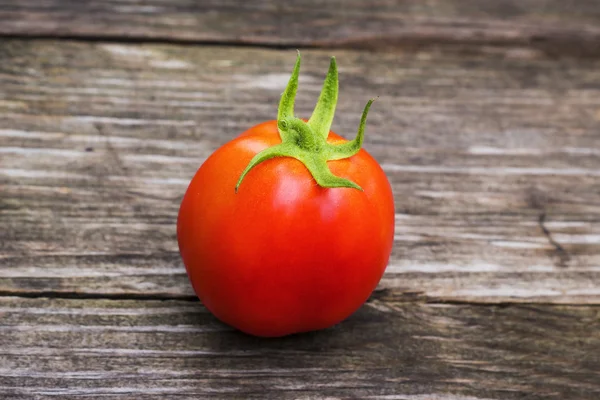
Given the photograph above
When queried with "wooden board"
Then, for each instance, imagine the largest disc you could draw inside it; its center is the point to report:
(552, 27)
(71, 349)
(494, 162)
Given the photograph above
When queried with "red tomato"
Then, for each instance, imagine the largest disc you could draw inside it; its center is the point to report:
(283, 254)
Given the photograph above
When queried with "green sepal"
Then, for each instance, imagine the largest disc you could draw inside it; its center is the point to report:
(288, 98)
(322, 116)
(280, 150)
(348, 149)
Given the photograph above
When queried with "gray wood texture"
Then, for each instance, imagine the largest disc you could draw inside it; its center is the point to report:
(494, 162)
(487, 124)
(554, 27)
(72, 349)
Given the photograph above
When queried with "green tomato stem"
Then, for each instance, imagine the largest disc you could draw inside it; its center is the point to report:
(307, 141)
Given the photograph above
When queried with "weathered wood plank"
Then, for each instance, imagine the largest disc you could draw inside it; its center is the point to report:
(494, 163)
(171, 349)
(550, 26)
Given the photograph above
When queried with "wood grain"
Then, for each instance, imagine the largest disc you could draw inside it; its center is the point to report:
(494, 162)
(553, 27)
(56, 348)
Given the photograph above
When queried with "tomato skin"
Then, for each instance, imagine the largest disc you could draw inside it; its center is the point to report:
(284, 255)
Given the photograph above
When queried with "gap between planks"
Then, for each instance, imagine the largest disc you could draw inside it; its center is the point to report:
(491, 47)
(159, 40)
(378, 295)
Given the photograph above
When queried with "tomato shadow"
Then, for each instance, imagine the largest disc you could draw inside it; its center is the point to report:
(371, 343)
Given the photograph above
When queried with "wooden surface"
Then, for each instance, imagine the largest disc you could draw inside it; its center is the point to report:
(553, 27)
(493, 152)
(176, 349)
(494, 163)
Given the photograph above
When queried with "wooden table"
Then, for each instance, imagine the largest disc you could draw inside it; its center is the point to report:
(487, 124)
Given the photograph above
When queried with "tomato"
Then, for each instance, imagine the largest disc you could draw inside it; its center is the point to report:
(281, 233)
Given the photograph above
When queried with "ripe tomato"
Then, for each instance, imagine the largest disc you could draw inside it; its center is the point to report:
(281, 233)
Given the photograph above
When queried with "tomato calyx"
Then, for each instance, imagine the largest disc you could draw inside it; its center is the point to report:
(307, 141)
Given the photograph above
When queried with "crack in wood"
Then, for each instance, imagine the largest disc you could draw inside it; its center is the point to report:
(561, 253)
(160, 40)
(379, 295)
(50, 294)
(552, 45)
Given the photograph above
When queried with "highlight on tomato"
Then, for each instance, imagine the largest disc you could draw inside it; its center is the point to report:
(289, 227)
